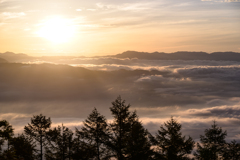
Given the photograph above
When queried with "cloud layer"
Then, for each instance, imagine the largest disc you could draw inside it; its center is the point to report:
(194, 91)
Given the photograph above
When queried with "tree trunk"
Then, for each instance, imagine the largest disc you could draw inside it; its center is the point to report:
(8, 144)
(69, 147)
(63, 145)
(41, 147)
(98, 151)
(120, 137)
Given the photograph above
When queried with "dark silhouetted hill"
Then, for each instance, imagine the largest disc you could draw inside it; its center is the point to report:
(225, 56)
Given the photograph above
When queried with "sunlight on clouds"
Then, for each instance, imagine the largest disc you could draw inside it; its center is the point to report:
(218, 111)
(70, 124)
(9, 15)
(126, 6)
(111, 27)
(12, 116)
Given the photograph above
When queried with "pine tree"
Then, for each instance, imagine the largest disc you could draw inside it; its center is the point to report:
(138, 144)
(95, 132)
(120, 127)
(82, 150)
(170, 143)
(212, 144)
(23, 147)
(60, 143)
(231, 151)
(38, 129)
(6, 132)
(129, 139)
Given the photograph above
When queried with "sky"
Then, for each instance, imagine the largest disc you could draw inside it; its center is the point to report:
(107, 27)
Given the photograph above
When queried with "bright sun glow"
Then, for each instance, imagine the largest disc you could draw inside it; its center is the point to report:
(57, 30)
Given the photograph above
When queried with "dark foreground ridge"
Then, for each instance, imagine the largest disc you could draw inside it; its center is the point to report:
(124, 138)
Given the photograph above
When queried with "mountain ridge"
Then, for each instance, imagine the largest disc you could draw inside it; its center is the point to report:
(3, 60)
(180, 55)
(183, 55)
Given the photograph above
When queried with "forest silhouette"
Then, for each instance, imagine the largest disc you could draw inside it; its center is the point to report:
(124, 138)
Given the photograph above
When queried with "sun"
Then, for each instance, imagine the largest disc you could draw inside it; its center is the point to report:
(57, 30)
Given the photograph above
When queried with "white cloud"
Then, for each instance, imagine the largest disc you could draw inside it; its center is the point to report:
(90, 9)
(10, 15)
(185, 21)
(126, 6)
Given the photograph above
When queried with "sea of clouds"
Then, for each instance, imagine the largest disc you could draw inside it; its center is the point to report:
(195, 92)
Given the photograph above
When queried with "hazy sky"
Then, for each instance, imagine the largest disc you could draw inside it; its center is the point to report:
(92, 27)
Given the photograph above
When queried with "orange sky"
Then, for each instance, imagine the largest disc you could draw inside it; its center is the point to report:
(106, 27)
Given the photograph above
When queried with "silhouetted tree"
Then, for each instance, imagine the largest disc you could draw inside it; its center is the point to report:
(95, 132)
(129, 139)
(170, 144)
(8, 155)
(120, 128)
(60, 143)
(212, 143)
(38, 129)
(23, 147)
(82, 150)
(6, 132)
(138, 144)
(231, 151)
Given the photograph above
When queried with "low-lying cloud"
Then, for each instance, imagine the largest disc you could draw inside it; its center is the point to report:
(196, 92)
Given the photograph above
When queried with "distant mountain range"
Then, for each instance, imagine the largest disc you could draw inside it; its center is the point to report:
(225, 56)
(217, 56)
(3, 60)
(13, 57)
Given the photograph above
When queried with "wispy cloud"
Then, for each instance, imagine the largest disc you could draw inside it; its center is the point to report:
(126, 6)
(10, 15)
